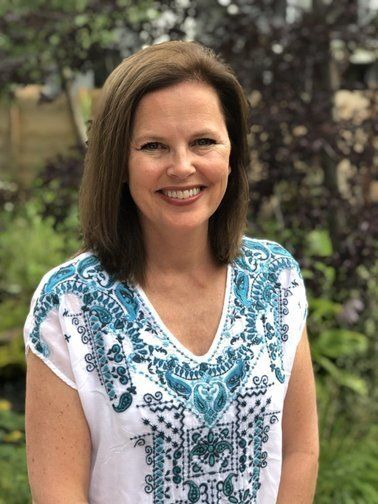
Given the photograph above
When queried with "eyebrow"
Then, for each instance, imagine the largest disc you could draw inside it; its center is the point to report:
(156, 138)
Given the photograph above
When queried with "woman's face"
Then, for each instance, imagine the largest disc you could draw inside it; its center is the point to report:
(179, 157)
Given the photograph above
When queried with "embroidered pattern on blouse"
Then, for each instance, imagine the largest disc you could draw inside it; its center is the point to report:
(219, 460)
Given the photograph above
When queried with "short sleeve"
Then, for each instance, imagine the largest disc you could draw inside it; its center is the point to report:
(294, 314)
(44, 335)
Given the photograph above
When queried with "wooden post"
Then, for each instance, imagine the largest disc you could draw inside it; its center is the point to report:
(14, 135)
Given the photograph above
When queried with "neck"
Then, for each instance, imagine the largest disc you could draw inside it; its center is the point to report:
(179, 252)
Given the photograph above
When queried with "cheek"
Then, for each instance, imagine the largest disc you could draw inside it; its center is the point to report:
(218, 159)
(218, 168)
(136, 182)
(140, 172)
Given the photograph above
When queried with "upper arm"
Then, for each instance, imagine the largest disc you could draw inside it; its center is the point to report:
(300, 421)
(57, 438)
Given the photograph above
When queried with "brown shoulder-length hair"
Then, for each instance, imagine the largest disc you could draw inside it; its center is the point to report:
(108, 214)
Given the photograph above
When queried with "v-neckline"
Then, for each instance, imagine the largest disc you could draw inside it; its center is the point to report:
(173, 339)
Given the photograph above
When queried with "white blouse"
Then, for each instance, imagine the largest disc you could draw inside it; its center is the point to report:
(168, 426)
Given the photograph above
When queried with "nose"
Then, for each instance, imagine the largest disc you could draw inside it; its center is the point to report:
(181, 164)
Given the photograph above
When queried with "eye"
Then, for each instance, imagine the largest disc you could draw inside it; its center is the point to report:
(204, 142)
(152, 146)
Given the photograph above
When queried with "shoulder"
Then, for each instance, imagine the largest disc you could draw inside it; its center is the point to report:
(258, 253)
(82, 282)
(77, 274)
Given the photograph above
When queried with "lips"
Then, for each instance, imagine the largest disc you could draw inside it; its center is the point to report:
(183, 196)
(182, 193)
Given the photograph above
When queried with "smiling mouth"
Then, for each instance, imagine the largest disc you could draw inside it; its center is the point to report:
(182, 195)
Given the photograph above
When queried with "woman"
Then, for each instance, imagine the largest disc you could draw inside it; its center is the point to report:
(161, 355)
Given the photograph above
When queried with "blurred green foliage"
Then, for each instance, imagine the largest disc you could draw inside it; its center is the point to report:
(28, 232)
(26, 236)
(40, 38)
(14, 487)
(30, 245)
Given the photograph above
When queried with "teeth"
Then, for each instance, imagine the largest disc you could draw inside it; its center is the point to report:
(182, 194)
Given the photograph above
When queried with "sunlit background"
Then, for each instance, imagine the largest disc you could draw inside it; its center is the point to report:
(310, 71)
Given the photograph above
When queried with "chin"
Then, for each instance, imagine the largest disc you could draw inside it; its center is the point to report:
(186, 226)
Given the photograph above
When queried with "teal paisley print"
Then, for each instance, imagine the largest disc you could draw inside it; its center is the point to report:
(202, 429)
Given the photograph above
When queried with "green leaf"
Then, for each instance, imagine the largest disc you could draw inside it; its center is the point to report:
(54, 39)
(340, 343)
(324, 308)
(81, 19)
(319, 243)
(344, 378)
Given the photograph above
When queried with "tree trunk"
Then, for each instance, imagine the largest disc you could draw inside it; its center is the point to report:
(74, 109)
(323, 93)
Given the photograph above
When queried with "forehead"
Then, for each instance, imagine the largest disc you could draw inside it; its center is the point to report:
(187, 102)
